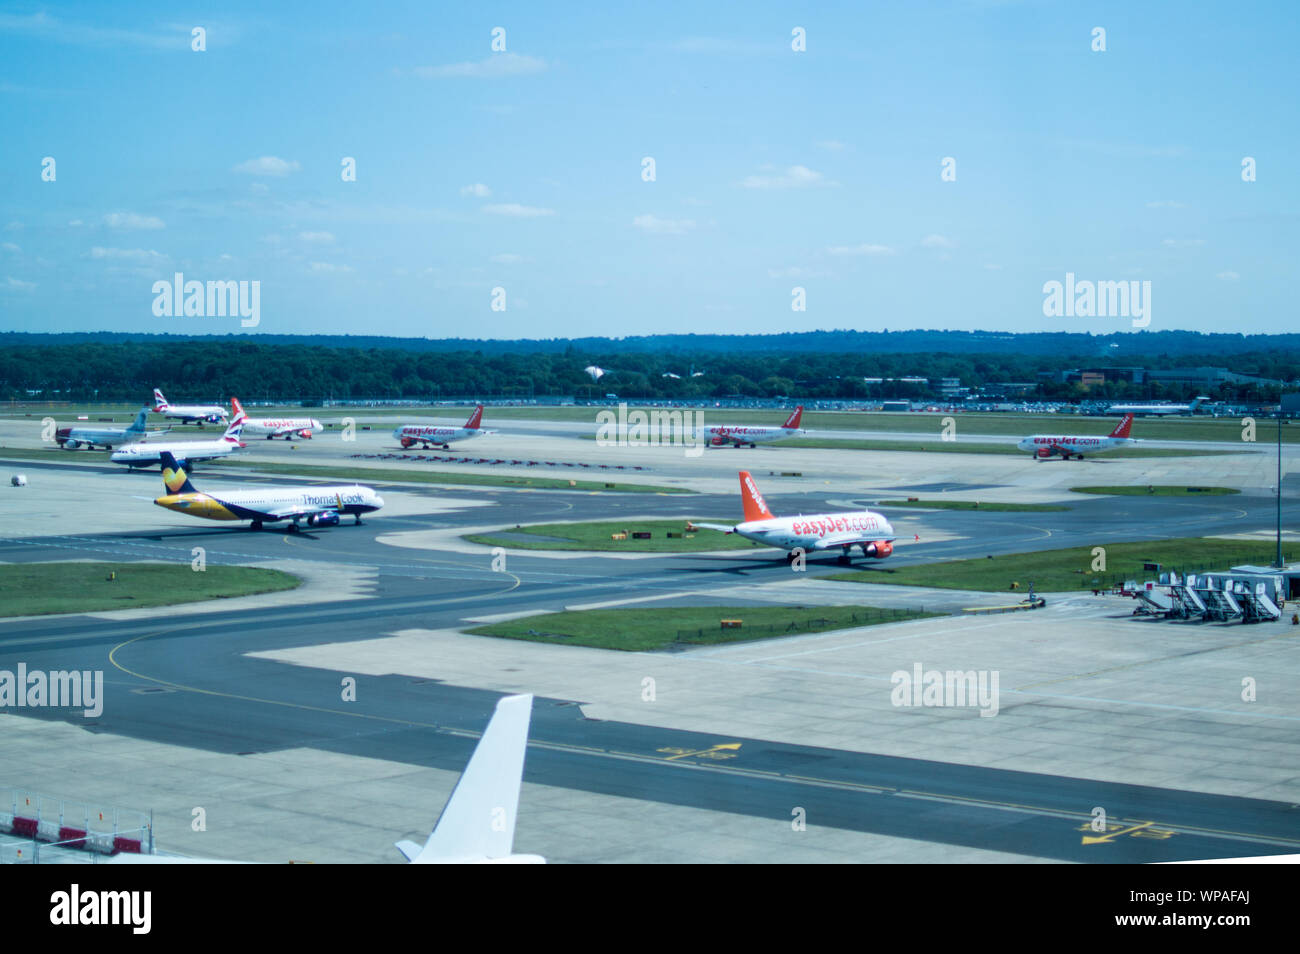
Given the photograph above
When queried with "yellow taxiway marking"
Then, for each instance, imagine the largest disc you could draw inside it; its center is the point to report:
(1119, 833)
(725, 751)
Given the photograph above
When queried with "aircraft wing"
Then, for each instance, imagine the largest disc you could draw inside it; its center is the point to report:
(847, 539)
(281, 513)
(713, 526)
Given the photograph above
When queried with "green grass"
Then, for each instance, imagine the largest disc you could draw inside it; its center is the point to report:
(436, 477)
(971, 505)
(642, 630)
(1071, 568)
(596, 536)
(1157, 490)
(35, 589)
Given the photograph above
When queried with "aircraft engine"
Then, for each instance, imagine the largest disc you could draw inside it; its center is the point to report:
(1043, 453)
(880, 549)
(323, 520)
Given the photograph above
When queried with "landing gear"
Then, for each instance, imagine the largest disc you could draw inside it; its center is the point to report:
(358, 520)
(753, 446)
(446, 447)
(846, 555)
(255, 525)
(292, 528)
(107, 447)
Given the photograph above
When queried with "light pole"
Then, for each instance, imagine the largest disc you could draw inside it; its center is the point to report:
(1279, 487)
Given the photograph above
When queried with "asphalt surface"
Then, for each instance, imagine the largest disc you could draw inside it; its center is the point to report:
(189, 681)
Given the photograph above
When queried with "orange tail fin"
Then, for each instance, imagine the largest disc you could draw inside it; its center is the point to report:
(1123, 427)
(755, 505)
(474, 419)
(793, 420)
(235, 407)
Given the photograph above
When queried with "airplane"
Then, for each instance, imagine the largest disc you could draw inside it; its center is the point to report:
(141, 454)
(316, 506)
(70, 438)
(477, 825)
(432, 436)
(721, 435)
(1043, 446)
(273, 427)
(212, 413)
(1157, 410)
(822, 531)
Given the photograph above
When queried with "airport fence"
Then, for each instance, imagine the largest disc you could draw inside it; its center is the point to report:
(739, 629)
(34, 819)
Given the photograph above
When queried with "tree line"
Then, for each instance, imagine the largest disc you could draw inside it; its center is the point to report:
(214, 369)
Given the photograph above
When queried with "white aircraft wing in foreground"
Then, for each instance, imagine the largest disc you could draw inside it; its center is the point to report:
(477, 824)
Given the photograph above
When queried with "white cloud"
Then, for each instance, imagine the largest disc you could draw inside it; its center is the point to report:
(10, 247)
(833, 145)
(937, 241)
(142, 255)
(76, 223)
(268, 166)
(478, 190)
(657, 226)
(515, 210)
(796, 177)
(508, 258)
(496, 66)
(1227, 276)
(863, 249)
(317, 238)
(16, 284)
(1183, 243)
(325, 268)
(133, 220)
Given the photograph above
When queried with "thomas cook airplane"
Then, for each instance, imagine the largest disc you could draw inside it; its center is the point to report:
(317, 506)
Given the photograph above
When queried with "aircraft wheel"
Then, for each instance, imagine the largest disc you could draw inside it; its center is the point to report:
(255, 525)
(292, 528)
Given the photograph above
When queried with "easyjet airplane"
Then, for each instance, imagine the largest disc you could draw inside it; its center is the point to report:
(317, 506)
(1043, 446)
(431, 436)
(820, 531)
(273, 427)
(720, 435)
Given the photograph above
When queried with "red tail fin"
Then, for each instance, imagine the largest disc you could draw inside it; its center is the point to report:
(235, 407)
(1123, 427)
(755, 505)
(474, 419)
(793, 420)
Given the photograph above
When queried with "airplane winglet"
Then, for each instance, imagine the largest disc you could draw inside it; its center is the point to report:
(478, 821)
(408, 848)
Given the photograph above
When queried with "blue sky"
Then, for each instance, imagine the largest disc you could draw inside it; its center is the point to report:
(522, 169)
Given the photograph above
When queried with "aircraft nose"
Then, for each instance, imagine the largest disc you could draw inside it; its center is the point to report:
(379, 501)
